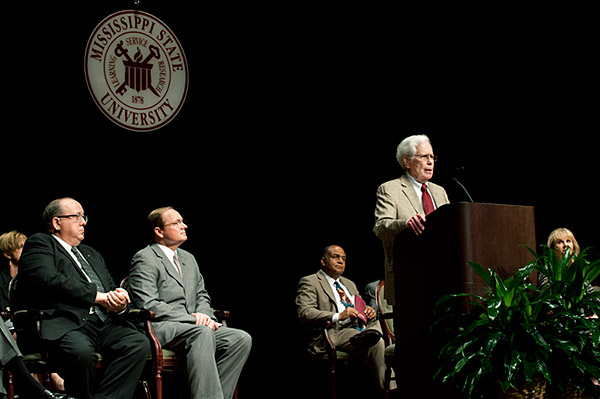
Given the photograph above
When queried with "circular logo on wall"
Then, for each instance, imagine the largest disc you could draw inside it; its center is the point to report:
(136, 70)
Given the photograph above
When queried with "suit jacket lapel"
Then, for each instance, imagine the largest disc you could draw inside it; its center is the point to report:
(348, 286)
(410, 193)
(189, 281)
(327, 289)
(438, 196)
(75, 265)
(184, 277)
(167, 264)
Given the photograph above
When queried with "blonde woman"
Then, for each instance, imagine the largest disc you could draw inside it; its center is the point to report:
(559, 240)
(11, 245)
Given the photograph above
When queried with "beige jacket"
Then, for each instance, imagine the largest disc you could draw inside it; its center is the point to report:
(397, 202)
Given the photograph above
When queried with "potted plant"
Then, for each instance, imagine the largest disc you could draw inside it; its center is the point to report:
(570, 309)
(519, 338)
(497, 343)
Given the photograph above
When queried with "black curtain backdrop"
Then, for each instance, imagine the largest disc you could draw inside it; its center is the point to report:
(291, 122)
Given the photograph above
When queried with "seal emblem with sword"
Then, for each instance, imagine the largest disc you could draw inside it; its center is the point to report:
(136, 70)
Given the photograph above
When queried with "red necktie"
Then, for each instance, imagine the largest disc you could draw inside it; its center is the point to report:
(427, 202)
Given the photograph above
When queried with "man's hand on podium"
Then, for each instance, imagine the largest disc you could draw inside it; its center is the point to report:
(416, 223)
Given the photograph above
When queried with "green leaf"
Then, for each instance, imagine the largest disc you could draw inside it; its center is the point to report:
(484, 273)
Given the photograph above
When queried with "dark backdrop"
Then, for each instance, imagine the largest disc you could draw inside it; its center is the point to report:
(291, 122)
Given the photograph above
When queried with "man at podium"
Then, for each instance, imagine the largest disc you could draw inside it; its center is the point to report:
(405, 202)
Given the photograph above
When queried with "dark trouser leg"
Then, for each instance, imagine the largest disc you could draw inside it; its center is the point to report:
(124, 352)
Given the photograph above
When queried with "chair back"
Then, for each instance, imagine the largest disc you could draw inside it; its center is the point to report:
(12, 286)
(125, 283)
(385, 312)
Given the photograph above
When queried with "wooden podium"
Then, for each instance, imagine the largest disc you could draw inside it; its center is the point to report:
(433, 264)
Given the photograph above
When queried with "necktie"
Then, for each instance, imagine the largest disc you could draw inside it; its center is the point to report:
(87, 269)
(427, 201)
(343, 297)
(176, 261)
(348, 303)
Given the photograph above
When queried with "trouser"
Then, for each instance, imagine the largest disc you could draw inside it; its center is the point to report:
(214, 359)
(374, 355)
(124, 352)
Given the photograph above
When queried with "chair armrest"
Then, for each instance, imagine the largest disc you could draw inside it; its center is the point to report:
(135, 314)
(329, 345)
(146, 316)
(25, 317)
(27, 323)
(222, 316)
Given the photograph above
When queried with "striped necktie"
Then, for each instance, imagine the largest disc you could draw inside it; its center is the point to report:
(89, 271)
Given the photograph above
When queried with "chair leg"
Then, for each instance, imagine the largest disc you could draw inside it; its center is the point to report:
(333, 382)
(159, 384)
(11, 385)
(388, 378)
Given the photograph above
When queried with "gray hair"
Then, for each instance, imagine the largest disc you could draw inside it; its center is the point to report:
(408, 147)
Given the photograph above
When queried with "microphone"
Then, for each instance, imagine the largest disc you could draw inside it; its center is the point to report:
(464, 189)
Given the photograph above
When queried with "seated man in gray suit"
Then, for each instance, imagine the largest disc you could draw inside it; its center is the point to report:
(167, 280)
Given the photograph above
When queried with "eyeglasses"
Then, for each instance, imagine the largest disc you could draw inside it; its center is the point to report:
(176, 223)
(427, 157)
(77, 217)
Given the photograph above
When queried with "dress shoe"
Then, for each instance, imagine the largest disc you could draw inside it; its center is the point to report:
(51, 395)
(366, 339)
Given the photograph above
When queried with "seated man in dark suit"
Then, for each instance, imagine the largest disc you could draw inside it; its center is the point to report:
(327, 296)
(72, 285)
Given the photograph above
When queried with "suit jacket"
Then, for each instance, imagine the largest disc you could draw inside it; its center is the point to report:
(50, 280)
(397, 202)
(316, 304)
(154, 284)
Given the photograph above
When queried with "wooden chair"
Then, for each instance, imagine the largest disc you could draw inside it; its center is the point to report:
(35, 356)
(385, 315)
(333, 358)
(10, 388)
(161, 359)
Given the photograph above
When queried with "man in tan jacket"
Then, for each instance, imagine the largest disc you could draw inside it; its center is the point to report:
(322, 297)
(402, 202)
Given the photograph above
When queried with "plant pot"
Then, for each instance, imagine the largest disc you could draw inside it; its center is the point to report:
(534, 390)
(571, 393)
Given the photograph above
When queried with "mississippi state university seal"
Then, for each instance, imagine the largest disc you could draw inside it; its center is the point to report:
(136, 70)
